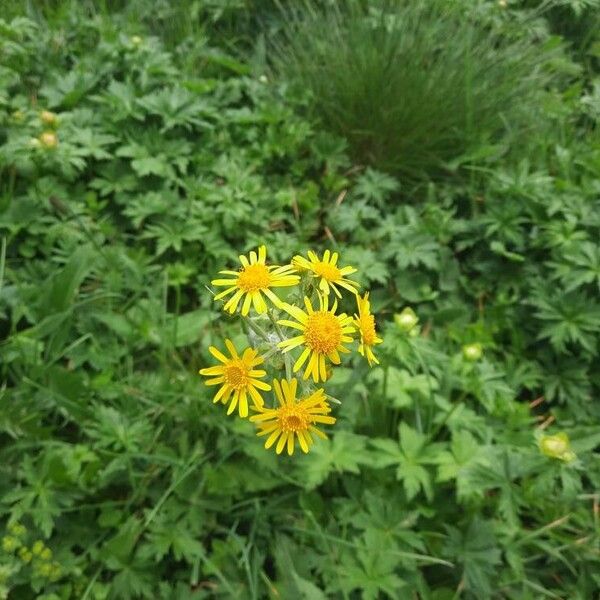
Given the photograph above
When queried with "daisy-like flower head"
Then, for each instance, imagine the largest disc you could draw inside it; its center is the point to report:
(323, 333)
(365, 322)
(326, 268)
(237, 377)
(254, 279)
(293, 418)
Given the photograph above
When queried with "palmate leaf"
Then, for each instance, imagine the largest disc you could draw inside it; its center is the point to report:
(134, 580)
(375, 187)
(581, 266)
(345, 452)
(476, 550)
(457, 464)
(176, 107)
(173, 235)
(570, 318)
(372, 568)
(410, 455)
(368, 264)
(412, 248)
(92, 143)
(168, 537)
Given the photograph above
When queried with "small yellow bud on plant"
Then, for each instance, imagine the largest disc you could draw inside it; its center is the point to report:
(17, 529)
(472, 352)
(9, 543)
(48, 118)
(557, 446)
(46, 554)
(48, 139)
(406, 320)
(25, 554)
(38, 547)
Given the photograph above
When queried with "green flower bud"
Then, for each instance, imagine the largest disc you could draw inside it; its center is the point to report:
(46, 554)
(9, 543)
(37, 547)
(48, 139)
(472, 352)
(44, 569)
(55, 572)
(557, 446)
(48, 118)
(406, 320)
(17, 529)
(25, 554)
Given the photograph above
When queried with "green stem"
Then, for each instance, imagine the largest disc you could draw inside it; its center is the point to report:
(259, 331)
(2, 261)
(286, 356)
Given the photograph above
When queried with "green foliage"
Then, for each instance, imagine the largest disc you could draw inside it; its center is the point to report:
(118, 476)
(383, 75)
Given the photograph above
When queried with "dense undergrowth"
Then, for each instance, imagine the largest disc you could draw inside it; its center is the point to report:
(168, 147)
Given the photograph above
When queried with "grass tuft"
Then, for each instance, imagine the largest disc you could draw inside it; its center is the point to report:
(412, 85)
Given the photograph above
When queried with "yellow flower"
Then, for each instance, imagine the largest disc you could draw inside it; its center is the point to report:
(237, 376)
(322, 335)
(365, 322)
(331, 275)
(254, 279)
(293, 418)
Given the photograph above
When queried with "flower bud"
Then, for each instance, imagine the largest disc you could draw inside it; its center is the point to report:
(136, 40)
(472, 352)
(48, 139)
(9, 543)
(55, 572)
(37, 547)
(46, 554)
(48, 118)
(557, 446)
(406, 320)
(17, 529)
(25, 554)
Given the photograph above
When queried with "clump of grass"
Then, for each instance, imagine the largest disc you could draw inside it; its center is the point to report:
(414, 84)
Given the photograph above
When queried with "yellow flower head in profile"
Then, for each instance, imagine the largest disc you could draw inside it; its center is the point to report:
(323, 333)
(293, 418)
(365, 322)
(237, 377)
(331, 275)
(254, 279)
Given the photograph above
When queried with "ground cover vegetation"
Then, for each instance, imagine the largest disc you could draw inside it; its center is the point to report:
(449, 155)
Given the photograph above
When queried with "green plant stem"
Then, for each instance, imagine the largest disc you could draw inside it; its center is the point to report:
(286, 356)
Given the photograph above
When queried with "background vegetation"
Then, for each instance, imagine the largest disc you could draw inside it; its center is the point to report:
(452, 155)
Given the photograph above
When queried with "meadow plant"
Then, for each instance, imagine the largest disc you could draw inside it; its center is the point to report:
(413, 85)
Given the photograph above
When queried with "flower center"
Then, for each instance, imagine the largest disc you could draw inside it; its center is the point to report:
(293, 419)
(327, 270)
(367, 328)
(323, 332)
(254, 277)
(236, 374)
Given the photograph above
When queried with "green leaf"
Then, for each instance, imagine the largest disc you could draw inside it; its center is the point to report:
(345, 452)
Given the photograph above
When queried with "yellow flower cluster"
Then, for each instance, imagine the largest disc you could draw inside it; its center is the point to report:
(321, 336)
